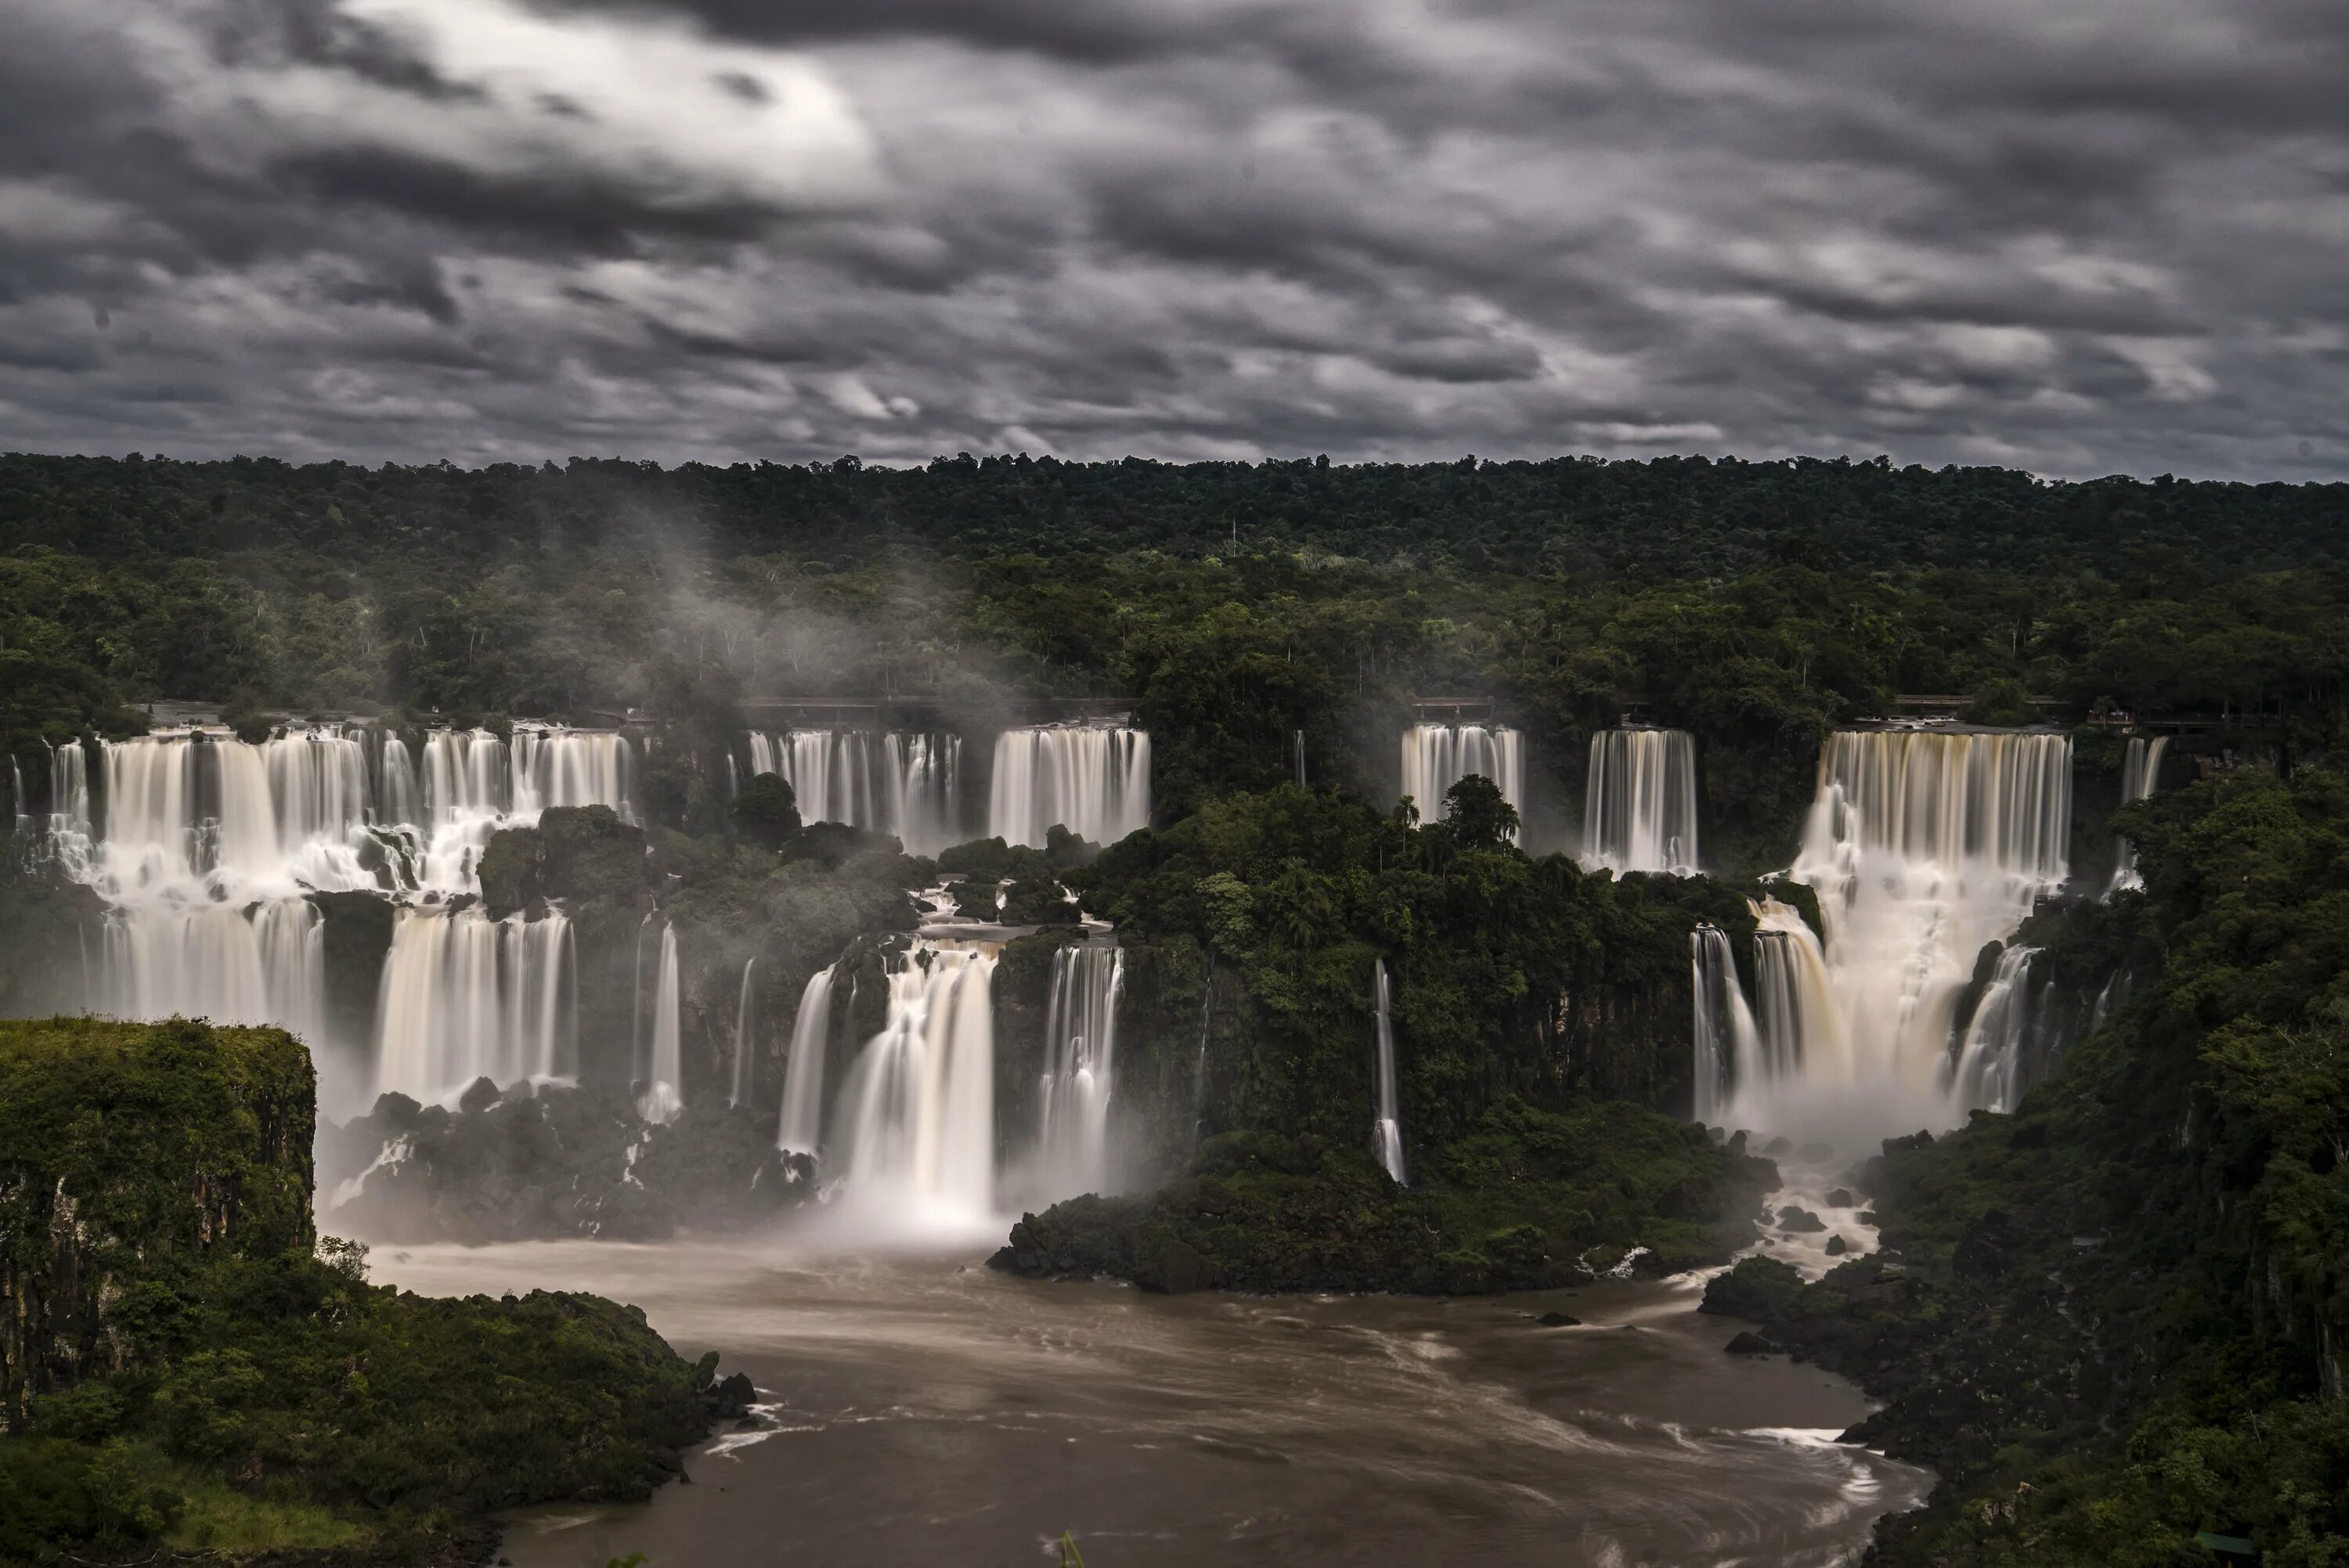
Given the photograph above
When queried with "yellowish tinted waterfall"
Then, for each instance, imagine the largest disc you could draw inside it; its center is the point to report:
(916, 1115)
(800, 1129)
(1922, 848)
(1092, 778)
(664, 1075)
(2140, 776)
(1727, 1045)
(1639, 809)
(1435, 757)
(1386, 1128)
(1079, 1061)
(908, 783)
(1988, 1069)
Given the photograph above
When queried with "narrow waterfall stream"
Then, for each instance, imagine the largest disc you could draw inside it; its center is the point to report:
(1080, 1052)
(664, 1073)
(800, 1129)
(1639, 810)
(1386, 1129)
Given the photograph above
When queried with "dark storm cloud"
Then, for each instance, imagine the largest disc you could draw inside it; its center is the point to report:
(2080, 238)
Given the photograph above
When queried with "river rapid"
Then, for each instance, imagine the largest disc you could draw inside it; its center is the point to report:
(921, 1410)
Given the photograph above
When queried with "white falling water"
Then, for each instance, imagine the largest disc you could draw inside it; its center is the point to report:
(1922, 848)
(1092, 778)
(1386, 1132)
(1639, 809)
(800, 1129)
(2140, 776)
(661, 1100)
(1727, 1045)
(908, 783)
(397, 798)
(1435, 757)
(1988, 1069)
(66, 833)
(467, 997)
(917, 1111)
(1296, 751)
(1080, 1062)
(743, 1065)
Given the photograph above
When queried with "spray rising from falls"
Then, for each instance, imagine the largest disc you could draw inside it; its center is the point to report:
(1386, 1130)
(908, 783)
(917, 1113)
(1092, 778)
(1435, 757)
(1639, 811)
(2140, 776)
(1923, 848)
(1081, 1051)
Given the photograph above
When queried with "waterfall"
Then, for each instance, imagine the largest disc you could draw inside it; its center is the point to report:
(219, 962)
(800, 1129)
(1092, 778)
(903, 782)
(1386, 1132)
(1080, 1049)
(1638, 808)
(1435, 757)
(467, 997)
(396, 800)
(1923, 848)
(743, 1075)
(2140, 776)
(554, 766)
(1727, 1045)
(1988, 1068)
(918, 1108)
(661, 1100)
(1297, 744)
(1199, 1065)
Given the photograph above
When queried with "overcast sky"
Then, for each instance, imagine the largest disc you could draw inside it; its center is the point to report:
(2076, 236)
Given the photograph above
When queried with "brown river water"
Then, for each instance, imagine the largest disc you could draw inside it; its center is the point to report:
(928, 1410)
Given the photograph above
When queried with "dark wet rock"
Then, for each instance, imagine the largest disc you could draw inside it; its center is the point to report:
(1751, 1344)
(2030, 1135)
(1838, 1246)
(1757, 1288)
(479, 1097)
(1868, 1217)
(1178, 1271)
(1839, 1198)
(732, 1397)
(1558, 1320)
(1801, 1221)
(1777, 1146)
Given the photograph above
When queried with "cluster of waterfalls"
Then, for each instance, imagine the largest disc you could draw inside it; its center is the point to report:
(1639, 799)
(1092, 777)
(1924, 849)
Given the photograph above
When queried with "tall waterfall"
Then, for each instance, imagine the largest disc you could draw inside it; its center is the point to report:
(1988, 1069)
(801, 1126)
(662, 1100)
(1081, 1051)
(2140, 776)
(1727, 1043)
(207, 846)
(1923, 848)
(1386, 1132)
(903, 782)
(1092, 778)
(745, 1074)
(1435, 757)
(917, 1113)
(467, 997)
(1638, 808)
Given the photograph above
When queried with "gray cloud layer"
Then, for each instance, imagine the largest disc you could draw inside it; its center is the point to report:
(2076, 237)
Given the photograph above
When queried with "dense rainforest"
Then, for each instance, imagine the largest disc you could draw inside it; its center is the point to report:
(2113, 1320)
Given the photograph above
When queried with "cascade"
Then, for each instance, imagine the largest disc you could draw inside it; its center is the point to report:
(1923, 848)
(1639, 810)
(1988, 1068)
(918, 1110)
(1081, 1048)
(1297, 744)
(395, 790)
(903, 782)
(743, 1074)
(467, 997)
(800, 1129)
(217, 961)
(1092, 778)
(2140, 776)
(660, 1100)
(1435, 757)
(1386, 1132)
(554, 766)
(1727, 1044)
(65, 837)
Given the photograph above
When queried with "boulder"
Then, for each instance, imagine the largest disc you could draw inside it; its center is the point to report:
(1558, 1320)
(1799, 1220)
(1751, 1344)
(1839, 1198)
(1838, 1246)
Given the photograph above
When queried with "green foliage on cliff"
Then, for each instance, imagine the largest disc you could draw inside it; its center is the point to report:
(1527, 1199)
(2119, 1317)
(185, 1370)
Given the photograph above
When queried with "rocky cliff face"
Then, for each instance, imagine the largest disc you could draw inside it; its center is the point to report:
(127, 1150)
